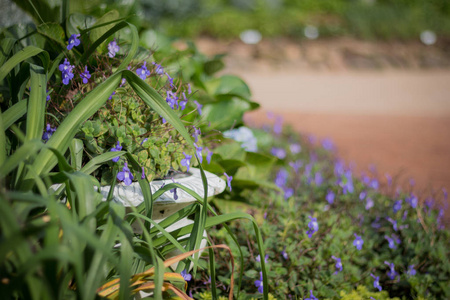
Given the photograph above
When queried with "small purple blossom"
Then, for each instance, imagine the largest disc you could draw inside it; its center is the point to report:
(362, 195)
(48, 133)
(125, 175)
(296, 165)
(376, 282)
(392, 241)
(113, 93)
(143, 72)
(375, 223)
(199, 107)
(394, 223)
(209, 155)
(295, 148)
(318, 179)
(397, 206)
(229, 178)
(358, 242)
(73, 41)
(278, 126)
(413, 201)
(66, 71)
(313, 227)
(196, 134)
(388, 179)
(259, 283)
(186, 161)
(391, 273)
(171, 99)
(170, 79)
(328, 144)
(113, 48)
(183, 102)
(311, 297)
(330, 197)
(266, 258)
(174, 191)
(198, 151)
(85, 75)
(117, 148)
(281, 178)
(288, 192)
(338, 264)
(186, 275)
(411, 271)
(284, 254)
(278, 152)
(369, 203)
(143, 173)
(158, 68)
(374, 184)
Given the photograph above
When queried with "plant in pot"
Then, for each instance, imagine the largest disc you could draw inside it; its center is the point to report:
(68, 243)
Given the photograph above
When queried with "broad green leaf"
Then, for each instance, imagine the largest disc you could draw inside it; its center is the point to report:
(53, 31)
(228, 85)
(96, 162)
(19, 156)
(14, 113)
(225, 114)
(77, 21)
(98, 32)
(6, 46)
(2, 141)
(258, 166)
(17, 58)
(36, 103)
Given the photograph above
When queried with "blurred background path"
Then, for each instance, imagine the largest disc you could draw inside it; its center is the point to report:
(396, 119)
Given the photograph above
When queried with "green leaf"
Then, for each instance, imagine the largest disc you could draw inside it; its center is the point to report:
(227, 113)
(17, 58)
(259, 166)
(77, 22)
(36, 103)
(98, 32)
(228, 85)
(53, 31)
(76, 153)
(6, 45)
(14, 113)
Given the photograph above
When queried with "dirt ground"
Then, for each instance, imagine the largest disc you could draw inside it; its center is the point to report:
(383, 104)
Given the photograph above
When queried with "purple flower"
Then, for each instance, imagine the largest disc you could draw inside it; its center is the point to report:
(295, 148)
(182, 103)
(369, 203)
(117, 148)
(413, 201)
(338, 264)
(66, 71)
(389, 179)
(198, 151)
(288, 192)
(296, 165)
(328, 144)
(229, 178)
(209, 155)
(348, 187)
(392, 241)
(397, 206)
(196, 134)
(73, 41)
(278, 152)
(189, 88)
(330, 197)
(318, 179)
(278, 126)
(313, 227)
(376, 282)
(113, 93)
(374, 184)
(311, 297)
(281, 178)
(186, 161)
(284, 254)
(411, 271)
(48, 97)
(266, 258)
(362, 195)
(376, 224)
(48, 133)
(159, 69)
(113, 48)
(199, 107)
(170, 79)
(391, 273)
(174, 191)
(186, 275)
(358, 242)
(171, 99)
(259, 283)
(125, 175)
(85, 75)
(394, 223)
(143, 173)
(142, 72)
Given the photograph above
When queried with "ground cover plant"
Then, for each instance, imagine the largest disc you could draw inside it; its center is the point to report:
(82, 107)
(331, 233)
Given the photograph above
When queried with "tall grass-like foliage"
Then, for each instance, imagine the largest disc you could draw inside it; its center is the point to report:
(59, 239)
